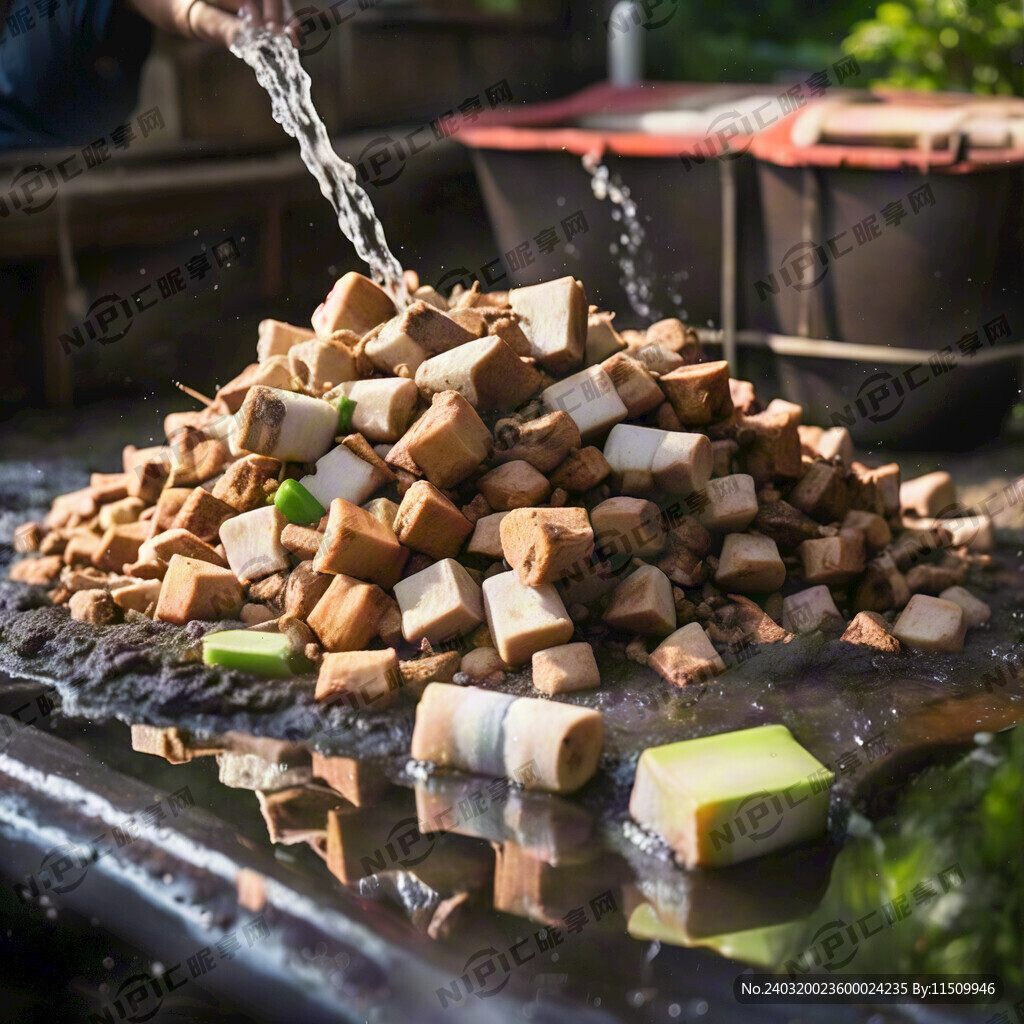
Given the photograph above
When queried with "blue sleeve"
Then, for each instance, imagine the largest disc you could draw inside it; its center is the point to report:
(69, 69)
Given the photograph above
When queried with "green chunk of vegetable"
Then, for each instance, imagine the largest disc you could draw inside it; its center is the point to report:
(247, 650)
(345, 409)
(297, 505)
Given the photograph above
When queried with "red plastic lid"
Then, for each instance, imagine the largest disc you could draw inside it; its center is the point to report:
(951, 133)
(550, 125)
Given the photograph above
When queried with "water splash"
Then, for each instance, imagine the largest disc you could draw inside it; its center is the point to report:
(631, 253)
(279, 71)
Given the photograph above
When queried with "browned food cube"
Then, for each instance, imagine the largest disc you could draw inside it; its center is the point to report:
(176, 541)
(686, 656)
(94, 606)
(543, 544)
(28, 537)
(928, 495)
(875, 529)
(304, 589)
(514, 485)
(566, 669)
(271, 590)
(485, 371)
(787, 526)
(674, 335)
(317, 366)
(198, 590)
(628, 526)
(272, 373)
(700, 393)
(875, 490)
(355, 303)
(434, 668)
(744, 399)
(446, 444)
(203, 514)
(302, 541)
(37, 571)
(168, 506)
(80, 504)
(356, 544)
(770, 446)
(832, 559)
(119, 546)
(869, 629)
(582, 469)
(881, 588)
(146, 471)
(553, 316)
(359, 678)
(602, 338)
(348, 616)
(931, 579)
(137, 596)
(275, 338)
(427, 521)
(821, 492)
(81, 548)
(544, 442)
(486, 539)
(241, 486)
(642, 603)
(636, 387)
(107, 487)
(415, 334)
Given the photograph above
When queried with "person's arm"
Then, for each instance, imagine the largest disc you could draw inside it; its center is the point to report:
(214, 21)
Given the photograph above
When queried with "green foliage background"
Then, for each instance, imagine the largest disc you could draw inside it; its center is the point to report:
(969, 45)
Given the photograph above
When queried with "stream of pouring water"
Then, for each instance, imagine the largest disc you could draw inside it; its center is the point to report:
(278, 70)
(630, 250)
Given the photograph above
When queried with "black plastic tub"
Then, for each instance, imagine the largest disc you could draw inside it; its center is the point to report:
(893, 236)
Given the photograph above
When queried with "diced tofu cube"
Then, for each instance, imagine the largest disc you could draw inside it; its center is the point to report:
(316, 366)
(304, 588)
(120, 546)
(383, 406)
(418, 332)
(723, 799)
(686, 656)
(354, 304)
(836, 441)
(356, 544)
(524, 619)
(197, 590)
(252, 544)
(821, 493)
(164, 546)
(241, 486)
(439, 603)
(514, 485)
(565, 669)
(928, 495)
(553, 316)
(630, 452)
(486, 372)
(360, 677)
(772, 447)
(348, 615)
(137, 596)
(284, 425)
(276, 338)
(832, 560)
(427, 521)
(271, 373)
(543, 544)
(602, 339)
(590, 398)
(976, 612)
(203, 515)
(730, 503)
(699, 393)
(808, 610)
(582, 469)
(642, 603)
(973, 532)
(486, 539)
(92, 606)
(544, 442)
(628, 526)
(447, 443)
(877, 534)
(750, 563)
(931, 624)
(634, 384)
(341, 473)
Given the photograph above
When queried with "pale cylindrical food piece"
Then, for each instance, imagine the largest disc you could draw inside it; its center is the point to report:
(552, 746)
(540, 744)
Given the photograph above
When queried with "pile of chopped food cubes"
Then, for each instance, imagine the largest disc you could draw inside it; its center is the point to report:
(463, 487)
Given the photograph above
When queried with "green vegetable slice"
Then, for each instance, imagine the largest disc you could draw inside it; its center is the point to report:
(297, 505)
(345, 409)
(262, 654)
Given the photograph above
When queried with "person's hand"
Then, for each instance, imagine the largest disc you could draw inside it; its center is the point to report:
(215, 21)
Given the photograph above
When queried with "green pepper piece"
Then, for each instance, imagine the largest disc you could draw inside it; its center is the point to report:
(249, 650)
(346, 407)
(297, 505)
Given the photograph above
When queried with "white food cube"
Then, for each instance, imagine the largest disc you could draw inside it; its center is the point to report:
(486, 539)
(643, 459)
(284, 425)
(750, 562)
(731, 503)
(976, 612)
(383, 406)
(342, 474)
(630, 452)
(522, 619)
(931, 624)
(686, 656)
(590, 398)
(808, 610)
(566, 669)
(553, 316)
(252, 543)
(439, 603)
(683, 462)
